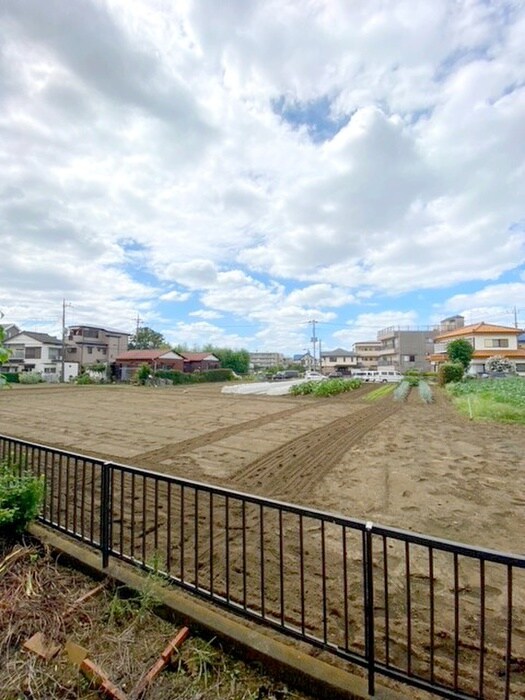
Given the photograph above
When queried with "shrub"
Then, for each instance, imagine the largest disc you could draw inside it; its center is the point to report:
(83, 379)
(450, 372)
(174, 376)
(143, 374)
(215, 375)
(30, 378)
(21, 496)
(500, 364)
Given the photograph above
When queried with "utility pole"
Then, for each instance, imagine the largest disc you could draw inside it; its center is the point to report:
(314, 338)
(320, 358)
(515, 317)
(63, 363)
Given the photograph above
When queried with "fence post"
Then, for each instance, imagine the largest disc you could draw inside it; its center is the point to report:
(105, 512)
(369, 608)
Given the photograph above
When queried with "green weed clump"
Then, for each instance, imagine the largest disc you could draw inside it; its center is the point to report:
(21, 496)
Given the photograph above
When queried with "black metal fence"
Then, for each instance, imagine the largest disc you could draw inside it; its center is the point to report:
(434, 614)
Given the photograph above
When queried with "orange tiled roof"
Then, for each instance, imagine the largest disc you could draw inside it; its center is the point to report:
(483, 354)
(478, 328)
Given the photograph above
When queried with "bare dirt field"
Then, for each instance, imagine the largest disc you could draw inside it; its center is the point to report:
(411, 465)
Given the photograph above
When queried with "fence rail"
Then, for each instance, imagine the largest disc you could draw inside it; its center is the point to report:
(437, 615)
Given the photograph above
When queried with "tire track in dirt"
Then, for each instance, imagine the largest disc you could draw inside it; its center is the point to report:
(175, 449)
(296, 466)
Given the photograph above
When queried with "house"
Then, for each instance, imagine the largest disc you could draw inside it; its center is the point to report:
(305, 359)
(199, 361)
(405, 348)
(487, 340)
(129, 361)
(39, 352)
(92, 345)
(10, 330)
(338, 360)
(367, 353)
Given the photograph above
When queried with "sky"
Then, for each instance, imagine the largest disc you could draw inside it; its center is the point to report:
(229, 172)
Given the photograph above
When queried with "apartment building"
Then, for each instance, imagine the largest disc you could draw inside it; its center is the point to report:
(405, 348)
(367, 353)
(266, 360)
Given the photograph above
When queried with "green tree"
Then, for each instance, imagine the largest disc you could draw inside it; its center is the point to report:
(236, 360)
(147, 339)
(460, 351)
(4, 354)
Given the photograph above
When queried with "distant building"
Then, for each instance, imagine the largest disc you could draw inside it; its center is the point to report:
(41, 353)
(338, 360)
(199, 361)
(487, 340)
(304, 359)
(88, 345)
(10, 330)
(265, 360)
(367, 353)
(405, 348)
(129, 361)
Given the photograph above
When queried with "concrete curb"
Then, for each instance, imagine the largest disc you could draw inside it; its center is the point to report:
(318, 678)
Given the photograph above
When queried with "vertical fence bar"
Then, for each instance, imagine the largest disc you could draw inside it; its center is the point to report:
(386, 600)
(481, 625)
(168, 525)
(211, 544)
(323, 575)
(262, 554)
(281, 565)
(105, 512)
(244, 583)
(508, 648)
(409, 609)
(456, 621)
(369, 605)
(196, 535)
(301, 566)
(432, 611)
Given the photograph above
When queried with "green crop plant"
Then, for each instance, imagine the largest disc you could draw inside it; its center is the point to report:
(425, 392)
(401, 391)
(382, 391)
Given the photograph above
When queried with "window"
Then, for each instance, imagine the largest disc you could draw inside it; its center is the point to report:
(496, 342)
(520, 367)
(332, 359)
(72, 350)
(90, 351)
(409, 358)
(90, 333)
(33, 353)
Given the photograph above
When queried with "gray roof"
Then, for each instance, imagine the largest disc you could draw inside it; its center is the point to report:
(99, 328)
(339, 352)
(44, 338)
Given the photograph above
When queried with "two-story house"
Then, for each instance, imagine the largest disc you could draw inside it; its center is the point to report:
(39, 352)
(487, 340)
(92, 345)
(338, 360)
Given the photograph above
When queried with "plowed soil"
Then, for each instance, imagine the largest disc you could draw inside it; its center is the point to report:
(411, 465)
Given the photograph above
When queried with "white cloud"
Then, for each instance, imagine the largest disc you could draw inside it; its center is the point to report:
(139, 142)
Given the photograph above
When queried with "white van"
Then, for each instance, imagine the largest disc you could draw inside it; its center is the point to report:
(378, 375)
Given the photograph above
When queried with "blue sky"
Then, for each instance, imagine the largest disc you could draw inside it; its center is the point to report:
(230, 175)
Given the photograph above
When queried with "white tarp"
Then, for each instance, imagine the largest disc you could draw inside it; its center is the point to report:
(267, 388)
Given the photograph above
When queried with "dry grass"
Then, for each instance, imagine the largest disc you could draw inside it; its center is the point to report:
(123, 634)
